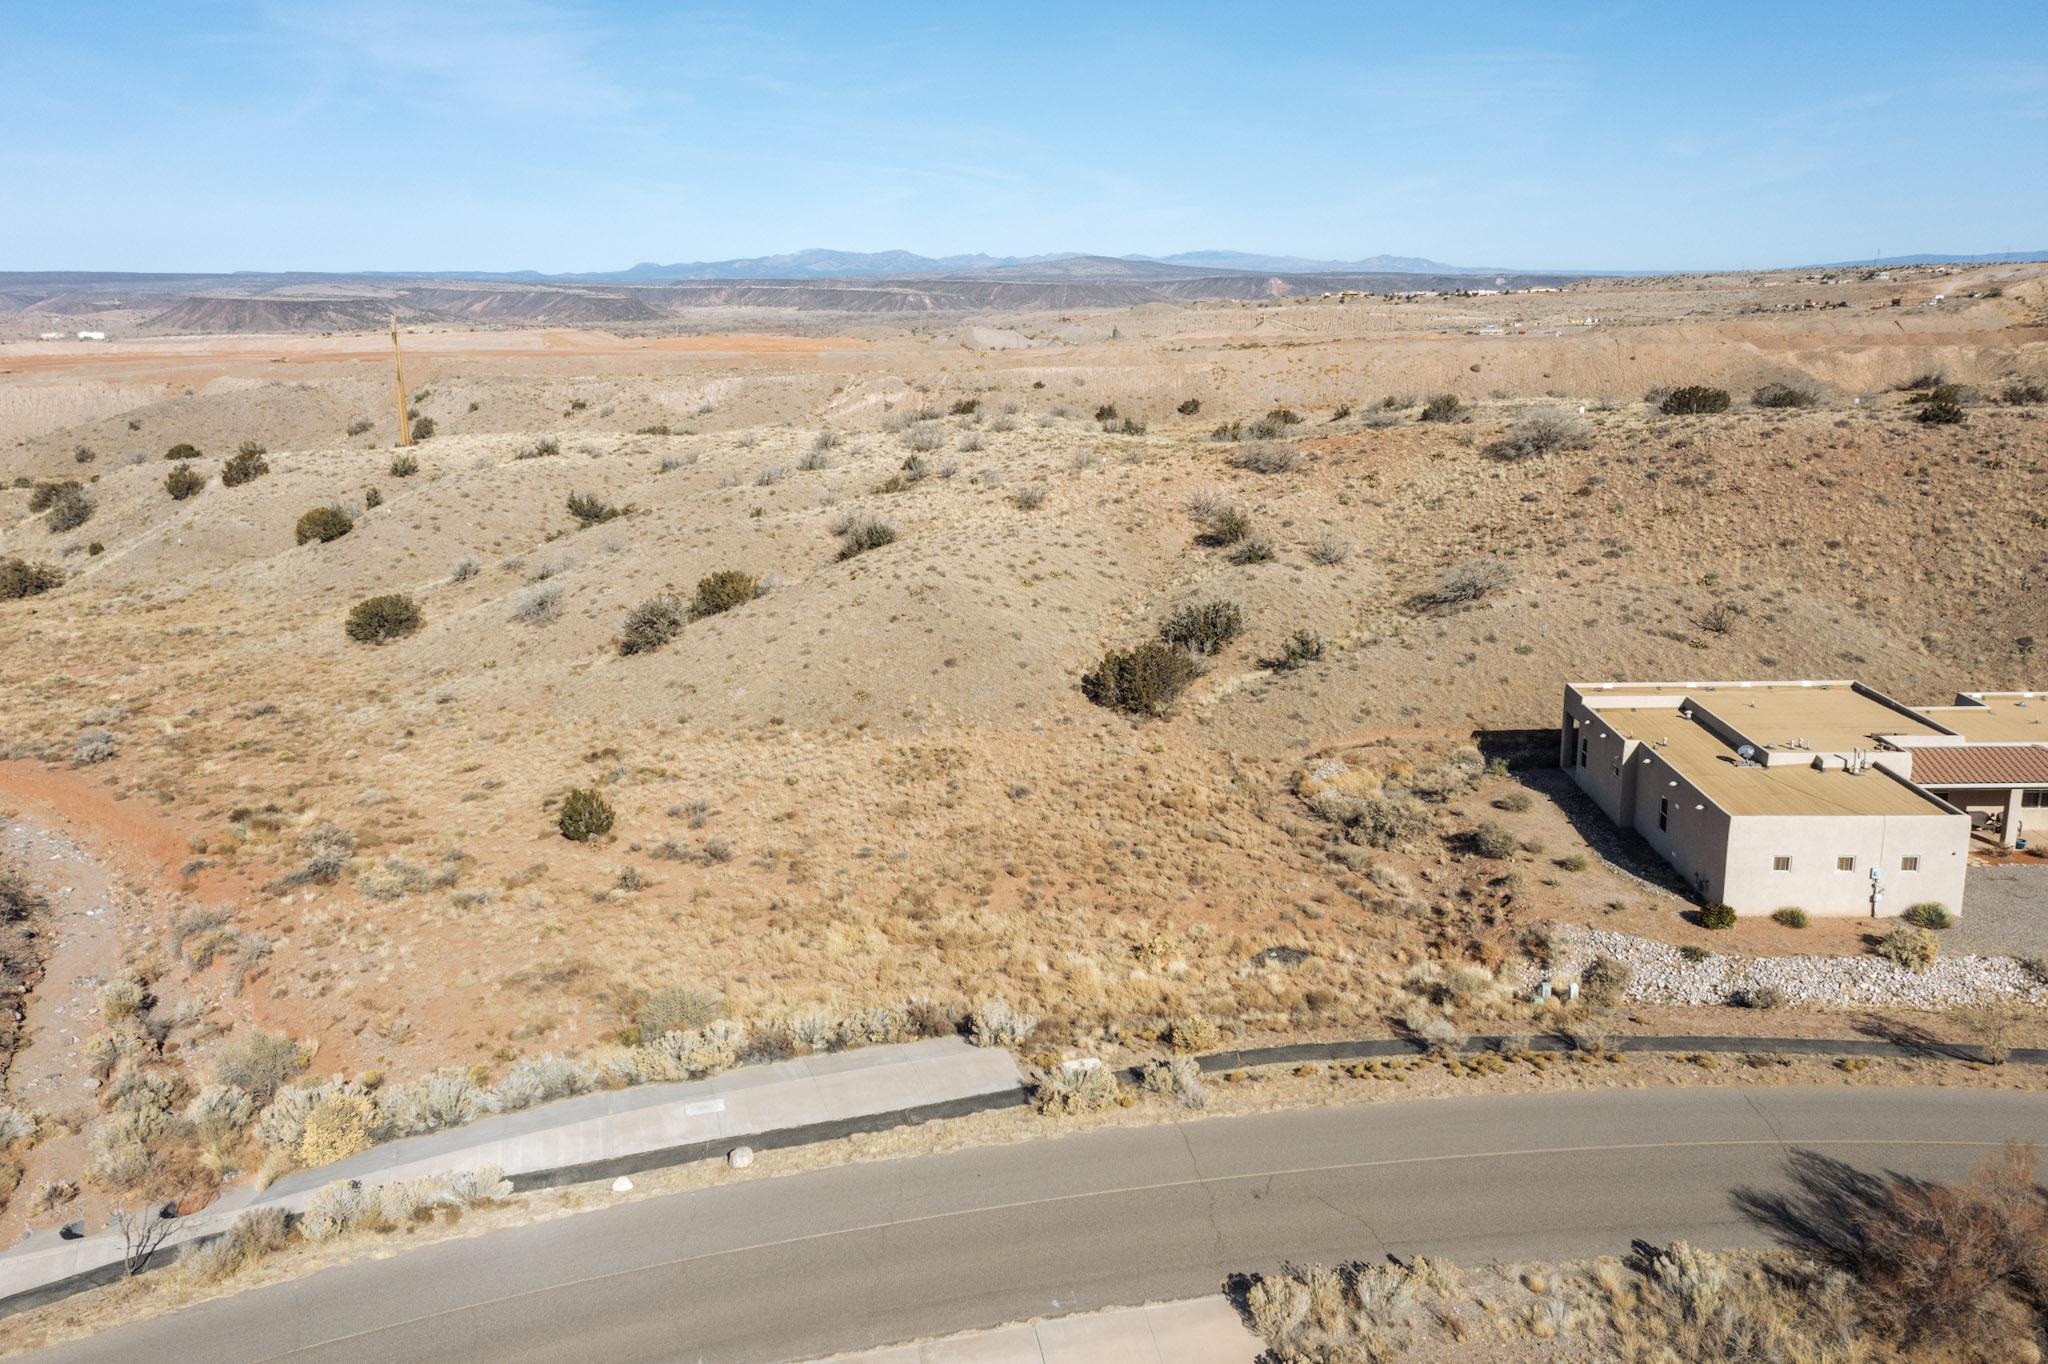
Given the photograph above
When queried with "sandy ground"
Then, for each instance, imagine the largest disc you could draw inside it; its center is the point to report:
(880, 779)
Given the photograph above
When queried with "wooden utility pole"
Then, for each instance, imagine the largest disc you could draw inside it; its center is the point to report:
(398, 373)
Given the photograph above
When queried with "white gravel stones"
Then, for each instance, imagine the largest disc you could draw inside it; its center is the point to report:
(1662, 975)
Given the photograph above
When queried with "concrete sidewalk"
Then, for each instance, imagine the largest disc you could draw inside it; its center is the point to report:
(1194, 1331)
(592, 1136)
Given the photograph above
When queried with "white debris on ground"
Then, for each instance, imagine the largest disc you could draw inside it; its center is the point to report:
(1660, 974)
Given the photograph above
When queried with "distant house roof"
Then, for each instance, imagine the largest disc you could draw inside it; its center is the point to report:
(1981, 765)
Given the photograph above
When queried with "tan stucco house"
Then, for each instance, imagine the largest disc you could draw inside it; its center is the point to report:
(1825, 795)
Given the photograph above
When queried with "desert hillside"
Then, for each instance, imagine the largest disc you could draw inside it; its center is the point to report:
(874, 775)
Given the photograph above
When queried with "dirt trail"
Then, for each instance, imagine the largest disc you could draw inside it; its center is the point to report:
(109, 870)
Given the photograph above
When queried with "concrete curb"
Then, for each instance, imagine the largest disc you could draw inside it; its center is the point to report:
(1385, 1048)
(1017, 1096)
(593, 1136)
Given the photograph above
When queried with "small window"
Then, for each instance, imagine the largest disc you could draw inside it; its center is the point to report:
(1582, 752)
(1845, 864)
(1781, 864)
(1909, 864)
(2034, 800)
(1663, 812)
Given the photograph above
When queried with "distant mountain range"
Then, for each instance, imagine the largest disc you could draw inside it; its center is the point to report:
(819, 263)
(1996, 258)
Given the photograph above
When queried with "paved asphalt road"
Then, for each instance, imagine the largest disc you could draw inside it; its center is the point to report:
(869, 1254)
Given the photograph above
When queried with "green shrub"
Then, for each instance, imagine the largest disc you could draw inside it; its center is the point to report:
(584, 815)
(723, 590)
(1943, 406)
(862, 534)
(966, 407)
(69, 509)
(1572, 862)
(592, 510)
(1783, 395)
(404, 466)
(1931, 914)
(1694, 400)
(182, 450)
(324, 524)
(246, 466)
(1203, 627)
(652, 624)
(1444, 407)
(1717, 916)
(422, 429)
(1492, 840)
(1912, 948)
(1189, 407)
(372, 499)
(19, 578)
(374, 620)
(1106, 413)
(1791, 916)
(183, 481)
(1140, 681)
(1514, 802)
(2025, 393)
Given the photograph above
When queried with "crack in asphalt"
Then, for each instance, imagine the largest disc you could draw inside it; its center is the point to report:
(1766, 1119)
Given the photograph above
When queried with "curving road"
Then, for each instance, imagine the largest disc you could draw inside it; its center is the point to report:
(865, 1255)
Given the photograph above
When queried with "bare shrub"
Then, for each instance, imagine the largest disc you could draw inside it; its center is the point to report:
(862, 534)
(1029, 498)
(653, 623)
(258, 1062)
(678, 1008)
(993, 1023)
(1467, 584)
(1539, 434)
(541, 606)
(1329, 550)
(1073, 1087)
(1266, 457)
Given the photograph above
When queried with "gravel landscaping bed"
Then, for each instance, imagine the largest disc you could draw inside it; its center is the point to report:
(1660, 974)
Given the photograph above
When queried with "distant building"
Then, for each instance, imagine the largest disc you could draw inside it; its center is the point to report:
(92, 336)
(50, 336)
(1825, 795)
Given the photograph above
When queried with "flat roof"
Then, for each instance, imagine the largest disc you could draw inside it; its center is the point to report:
(1785, 789)
(1998, 718)
(1827, 717)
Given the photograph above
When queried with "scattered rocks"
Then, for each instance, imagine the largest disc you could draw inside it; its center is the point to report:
(1661, 975)
(740, 1157)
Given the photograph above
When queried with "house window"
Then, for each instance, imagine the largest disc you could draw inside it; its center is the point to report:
(1781, 864)
(2034, 800)
(1663, 812)
(1909, 864)
(1582, 752)
(1845, 864)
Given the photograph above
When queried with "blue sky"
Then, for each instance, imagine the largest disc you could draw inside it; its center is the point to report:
(215, 135)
